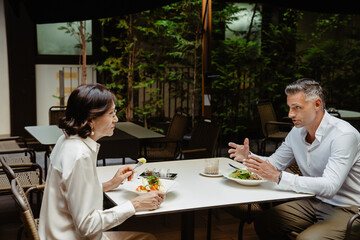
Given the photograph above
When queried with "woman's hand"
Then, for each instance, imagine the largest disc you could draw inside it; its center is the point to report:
(148, 201)
(239, 152)
(121, 174)
(263, 168)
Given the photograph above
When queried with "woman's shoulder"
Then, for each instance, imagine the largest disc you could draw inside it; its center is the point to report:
(69, 151)
(73, 143)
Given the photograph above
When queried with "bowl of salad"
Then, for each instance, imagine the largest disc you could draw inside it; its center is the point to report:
(244, 177)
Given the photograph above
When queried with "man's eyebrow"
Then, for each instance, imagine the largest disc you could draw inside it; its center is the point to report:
(294, 104)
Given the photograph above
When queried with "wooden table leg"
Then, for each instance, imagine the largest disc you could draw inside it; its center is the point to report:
(46, 158)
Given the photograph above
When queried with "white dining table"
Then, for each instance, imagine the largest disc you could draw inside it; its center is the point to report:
(141, 133)
(47, 136)
(349, 115)
(193, 191)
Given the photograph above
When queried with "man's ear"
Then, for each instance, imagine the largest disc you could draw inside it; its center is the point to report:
(318, 103)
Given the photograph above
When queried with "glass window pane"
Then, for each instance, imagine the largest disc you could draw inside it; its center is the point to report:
(52, 41)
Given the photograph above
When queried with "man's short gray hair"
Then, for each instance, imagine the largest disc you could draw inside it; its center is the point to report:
(309, 87)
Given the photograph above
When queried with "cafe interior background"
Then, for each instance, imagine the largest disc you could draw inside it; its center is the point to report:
(251, 55)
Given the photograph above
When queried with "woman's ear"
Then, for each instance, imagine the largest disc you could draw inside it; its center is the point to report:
(91, 123)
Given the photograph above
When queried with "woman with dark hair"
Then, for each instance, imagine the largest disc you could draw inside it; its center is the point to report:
(72, 206)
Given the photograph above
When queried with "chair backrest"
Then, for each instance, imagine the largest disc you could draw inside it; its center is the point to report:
(7, 169)
(267, 113)
(55, 113)
(204, 135)
(176, 134)
(177, 127)
(27, 216)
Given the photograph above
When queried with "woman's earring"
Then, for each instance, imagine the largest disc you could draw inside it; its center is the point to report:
(92, 131)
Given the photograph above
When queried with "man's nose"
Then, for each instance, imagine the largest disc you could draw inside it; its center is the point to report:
(291, 113)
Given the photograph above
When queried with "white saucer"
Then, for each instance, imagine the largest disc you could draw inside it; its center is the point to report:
(211, 175)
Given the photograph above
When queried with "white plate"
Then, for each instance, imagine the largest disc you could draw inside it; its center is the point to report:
(211, 175)
(243, 181)
(133, 184)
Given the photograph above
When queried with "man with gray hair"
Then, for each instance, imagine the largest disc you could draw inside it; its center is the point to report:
(327, 151)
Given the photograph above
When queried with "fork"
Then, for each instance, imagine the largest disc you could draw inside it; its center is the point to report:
(233, 166)
(138, 165)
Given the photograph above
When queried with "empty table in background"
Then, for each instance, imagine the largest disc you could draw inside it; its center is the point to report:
(47, 136)
(119, 145)
(143, 134)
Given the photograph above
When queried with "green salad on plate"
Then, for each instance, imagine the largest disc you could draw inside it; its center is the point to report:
(244, 174)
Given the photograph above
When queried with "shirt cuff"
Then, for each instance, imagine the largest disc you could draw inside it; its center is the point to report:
(285, 182)
(124, 211)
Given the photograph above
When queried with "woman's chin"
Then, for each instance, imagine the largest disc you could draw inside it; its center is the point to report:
(111, 133)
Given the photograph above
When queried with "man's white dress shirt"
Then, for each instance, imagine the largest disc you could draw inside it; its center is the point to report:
(72, 206)
(330, 165)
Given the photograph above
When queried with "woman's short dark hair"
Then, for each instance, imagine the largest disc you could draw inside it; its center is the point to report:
(85, 103)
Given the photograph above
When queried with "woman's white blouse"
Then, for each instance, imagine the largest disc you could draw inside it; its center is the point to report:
(72, 206)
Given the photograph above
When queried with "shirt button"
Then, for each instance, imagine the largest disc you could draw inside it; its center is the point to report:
(308, 149)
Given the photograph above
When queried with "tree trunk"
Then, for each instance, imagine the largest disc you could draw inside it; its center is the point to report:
(193, 91)
(130, 74)
(82, 30)
(251, 23)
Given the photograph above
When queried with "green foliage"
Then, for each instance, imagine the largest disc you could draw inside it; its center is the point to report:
(237, 62)
(73, 29)
(148, 46)
(145, 45)
(336, 65)
(130, 64)
(279, 53)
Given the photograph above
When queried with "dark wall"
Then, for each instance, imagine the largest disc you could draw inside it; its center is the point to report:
(20, 31)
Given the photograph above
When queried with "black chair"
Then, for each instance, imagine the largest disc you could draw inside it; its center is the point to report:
(272, 129)
(55, 113)
(167, 148)
(203, 141)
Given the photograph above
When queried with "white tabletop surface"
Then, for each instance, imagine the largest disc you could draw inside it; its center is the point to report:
(46, 135)
(137, 130)
(194, 191)
(351, 115)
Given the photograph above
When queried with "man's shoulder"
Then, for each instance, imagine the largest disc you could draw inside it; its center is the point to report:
(342, 127)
